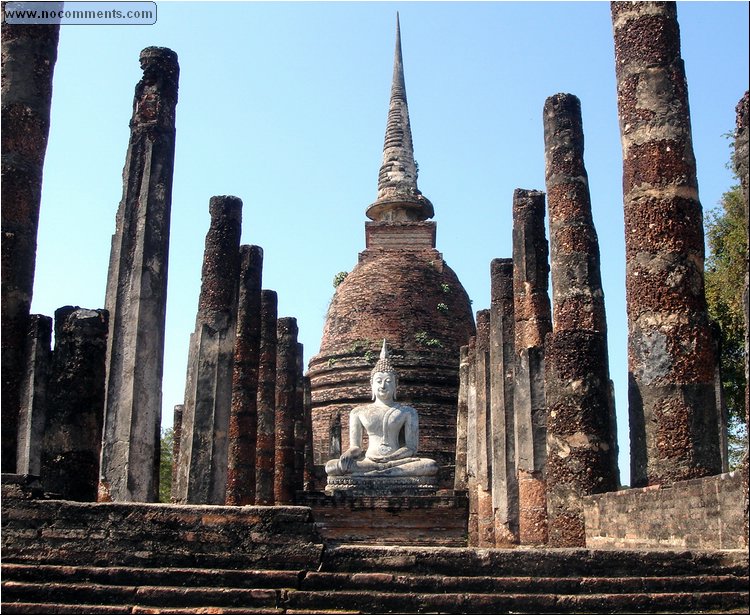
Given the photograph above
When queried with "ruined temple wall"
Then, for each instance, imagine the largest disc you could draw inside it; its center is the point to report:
(702, 513)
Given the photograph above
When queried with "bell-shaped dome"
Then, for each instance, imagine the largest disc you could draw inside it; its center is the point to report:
(412, 299)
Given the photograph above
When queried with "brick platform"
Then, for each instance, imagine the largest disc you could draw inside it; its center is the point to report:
(428, 520)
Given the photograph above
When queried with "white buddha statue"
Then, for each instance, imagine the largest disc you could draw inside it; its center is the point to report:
(392, 429)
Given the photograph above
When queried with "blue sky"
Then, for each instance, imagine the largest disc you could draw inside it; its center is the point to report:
(284, 105)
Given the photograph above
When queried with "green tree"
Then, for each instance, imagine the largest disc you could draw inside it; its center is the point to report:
(165, 465)
(726, 237)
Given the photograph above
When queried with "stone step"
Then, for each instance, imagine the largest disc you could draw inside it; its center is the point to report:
(146, 595)
(534, 562)
(336, 581)
(29, 608)
(365, 581)
(209, 600)
(385, 602)
(178, 577)
(130, 590)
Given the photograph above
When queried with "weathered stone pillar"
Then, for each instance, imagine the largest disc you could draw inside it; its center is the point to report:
(532, 323)
(502, 353)
(176, 436)
(299, 420)
(471, 444)
(34, 395)
(202, 471)
(581, 429)
(741, 155)
(460, 478)
(265, 451)
(286, 402)
(243, 421)
(29, 53)
(137, 288)
(75, 408)
(671, 354)
(483, 483)
(309, 460)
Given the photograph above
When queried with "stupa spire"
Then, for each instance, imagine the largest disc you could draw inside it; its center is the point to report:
(399, 199)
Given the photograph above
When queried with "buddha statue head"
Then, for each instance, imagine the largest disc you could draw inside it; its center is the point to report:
(383, 377)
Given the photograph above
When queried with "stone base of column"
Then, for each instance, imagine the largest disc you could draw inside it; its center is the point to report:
(505, 538)
(485, 519)
(532, 508)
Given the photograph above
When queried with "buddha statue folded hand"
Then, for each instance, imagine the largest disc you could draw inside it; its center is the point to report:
(392, 429)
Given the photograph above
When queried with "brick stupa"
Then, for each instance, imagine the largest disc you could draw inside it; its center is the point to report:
(401, 290)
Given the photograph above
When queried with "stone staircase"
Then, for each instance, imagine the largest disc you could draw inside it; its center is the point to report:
(359, 579)
(70, 557)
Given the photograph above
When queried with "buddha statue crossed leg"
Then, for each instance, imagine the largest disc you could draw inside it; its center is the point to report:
(393, 434)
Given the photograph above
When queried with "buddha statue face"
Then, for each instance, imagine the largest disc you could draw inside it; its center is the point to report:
(383, 378)
(384, 386)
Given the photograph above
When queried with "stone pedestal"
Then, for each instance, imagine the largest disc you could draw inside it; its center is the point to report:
(437, 520)
(382, 486)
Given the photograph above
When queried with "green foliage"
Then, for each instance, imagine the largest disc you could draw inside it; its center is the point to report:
(339, 277)
(370, 356)
(726, 238)
(424, 339)
(360, 345)
(446, 288)
(165, 465)
(442, 307)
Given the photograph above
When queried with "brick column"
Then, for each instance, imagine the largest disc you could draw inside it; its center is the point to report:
(34, 395)
(265, 451)
(460, 479)
(137, 289)
(502, 352)
(202, 470)
(532, 323)
(299, 420)
(286, 404)
(243, 421)
(29, 53)
(75, 404)
(581, 429)
(309, 470)
(176, 436)
(671, 353)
